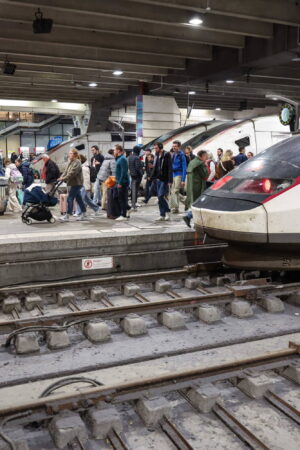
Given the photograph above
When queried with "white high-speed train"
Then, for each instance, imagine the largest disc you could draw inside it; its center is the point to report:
(256, 209)
(255, 134)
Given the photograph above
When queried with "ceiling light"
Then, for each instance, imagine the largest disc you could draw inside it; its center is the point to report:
(274, 98)
(117, 72)
(230, 81)
(195, 21)
(296, 58)
(93, 84)
(218, 109)
(192, 93)
(54, 100)
(41, 25)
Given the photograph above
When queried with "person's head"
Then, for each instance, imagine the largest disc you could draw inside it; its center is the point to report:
(227, 155)
(7, 162)
(73, 154)
(242, 149)
(111, 151)
(250, 155)
(220, 152)
(18, 162)
(148, 152)
(210, 155)
(150, 157)
(158, 147)
(45, 157)
(176, 146)
(188, 150)
(136, 150)
(119, 151)
(95, 150)
(202, 155)
(82, 158)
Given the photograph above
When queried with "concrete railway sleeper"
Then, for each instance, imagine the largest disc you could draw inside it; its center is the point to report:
(153, 411)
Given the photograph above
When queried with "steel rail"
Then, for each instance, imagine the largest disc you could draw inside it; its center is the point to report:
(285, 407)
(112, 392)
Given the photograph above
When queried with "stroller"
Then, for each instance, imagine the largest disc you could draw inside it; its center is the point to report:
(37, 204)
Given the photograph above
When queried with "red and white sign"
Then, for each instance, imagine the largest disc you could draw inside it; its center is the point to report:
(106, 262)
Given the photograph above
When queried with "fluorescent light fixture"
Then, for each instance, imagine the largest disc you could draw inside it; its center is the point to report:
(230, 81)
(296, 59)
(218, 109)
(192, 92)
(195, 21)
(117, 72)
(274, 98)
(54, 100)
(93, 84)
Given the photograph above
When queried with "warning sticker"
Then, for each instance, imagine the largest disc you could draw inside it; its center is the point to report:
(98, 263)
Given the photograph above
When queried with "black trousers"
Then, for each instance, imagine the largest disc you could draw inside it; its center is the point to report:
(123, 200)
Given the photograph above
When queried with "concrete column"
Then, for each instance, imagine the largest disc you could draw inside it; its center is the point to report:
(158, 116)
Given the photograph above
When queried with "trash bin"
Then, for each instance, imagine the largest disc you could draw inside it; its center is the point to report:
(3, 194)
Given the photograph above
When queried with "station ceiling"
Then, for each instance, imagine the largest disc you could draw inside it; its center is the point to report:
(252, 43)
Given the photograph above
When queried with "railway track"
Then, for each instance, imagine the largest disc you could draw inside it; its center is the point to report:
(245, 402)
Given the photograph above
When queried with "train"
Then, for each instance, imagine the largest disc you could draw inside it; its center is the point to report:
(255, 134)
(256, 209)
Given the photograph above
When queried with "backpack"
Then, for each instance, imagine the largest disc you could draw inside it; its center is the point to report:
(15, 176)
(93, 174)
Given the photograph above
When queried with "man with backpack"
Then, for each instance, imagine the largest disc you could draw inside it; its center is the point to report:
(179, 175)
(50, 172)
(26, 171)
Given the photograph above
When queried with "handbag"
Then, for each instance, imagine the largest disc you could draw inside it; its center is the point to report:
(110, 182)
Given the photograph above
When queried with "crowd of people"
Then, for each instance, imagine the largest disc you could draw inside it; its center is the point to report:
(112, 182)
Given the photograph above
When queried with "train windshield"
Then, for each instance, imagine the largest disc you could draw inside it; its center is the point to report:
(268, 173)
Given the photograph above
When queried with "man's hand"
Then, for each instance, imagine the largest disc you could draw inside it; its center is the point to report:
(119, 185)
(182, 183)
(97, 163)
(60, 179)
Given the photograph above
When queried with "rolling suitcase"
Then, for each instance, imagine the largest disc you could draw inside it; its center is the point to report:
(113, 208)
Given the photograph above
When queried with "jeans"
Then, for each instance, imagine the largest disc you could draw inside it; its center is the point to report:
(86, 197)
(123, 200)
(75, 194)
(162, 192)
(189, 215)
(135, 184)
(148, 191)
(97, 192)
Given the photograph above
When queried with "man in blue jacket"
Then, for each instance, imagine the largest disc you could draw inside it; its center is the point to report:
(26, 171)
(122, 181)
(179, 175)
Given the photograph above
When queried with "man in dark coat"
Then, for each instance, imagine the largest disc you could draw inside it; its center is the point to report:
(162, 175)
(26, 171)
(50, 172)
(136, 173)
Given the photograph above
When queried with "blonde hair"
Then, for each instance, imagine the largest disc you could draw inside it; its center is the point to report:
(227, 155)
(75, 152)
(189, 148)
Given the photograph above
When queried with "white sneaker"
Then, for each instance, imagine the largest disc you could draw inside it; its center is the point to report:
(65, 218)
(82, 217)
(167, 216)
(97, 213)
(120, 219)
(76, 215)
(138, 205)
(160, 219)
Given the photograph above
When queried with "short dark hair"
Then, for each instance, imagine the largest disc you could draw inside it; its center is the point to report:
(111, 151)
(95, 147)
(177, 143)
(160, 145)
(201, 153)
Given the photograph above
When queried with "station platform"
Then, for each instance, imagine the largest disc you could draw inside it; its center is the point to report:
(44, 251)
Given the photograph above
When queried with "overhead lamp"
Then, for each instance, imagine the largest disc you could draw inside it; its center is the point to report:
(93, 84)
(192, 92)
(195, 21)
(8, 68)
(296, 58)
(230, 81)
(274, 98)
(41, 25)
(117, 72)
(218, 109)
(54, 100)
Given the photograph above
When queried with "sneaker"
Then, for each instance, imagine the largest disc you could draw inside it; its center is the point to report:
(138, 205)
(187, 221)
(120, 219)
(167, 216)
(76, 214)
(97, 213)
(160, 219)
(82, 217)
(134, 210)
(65, 218)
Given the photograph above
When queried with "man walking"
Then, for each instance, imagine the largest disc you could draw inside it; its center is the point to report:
(96, 162)
(162, 177)
(179, 174)
(50, 172)
(241, 157)
(197, 174)
(136, 173)
(122, 181)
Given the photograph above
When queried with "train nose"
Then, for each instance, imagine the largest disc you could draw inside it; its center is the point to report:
(231, 219)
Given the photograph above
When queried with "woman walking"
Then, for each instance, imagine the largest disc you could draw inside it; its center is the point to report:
(74, 179)
(15, 180)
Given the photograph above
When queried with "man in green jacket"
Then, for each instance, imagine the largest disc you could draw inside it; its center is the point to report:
(197, 174)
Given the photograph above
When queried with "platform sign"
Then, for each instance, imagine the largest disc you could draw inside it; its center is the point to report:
(106, 262)
(139, 117)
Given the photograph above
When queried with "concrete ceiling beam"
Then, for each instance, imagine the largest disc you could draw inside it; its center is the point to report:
(287, 13)
(133, 16)
(89, 40)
